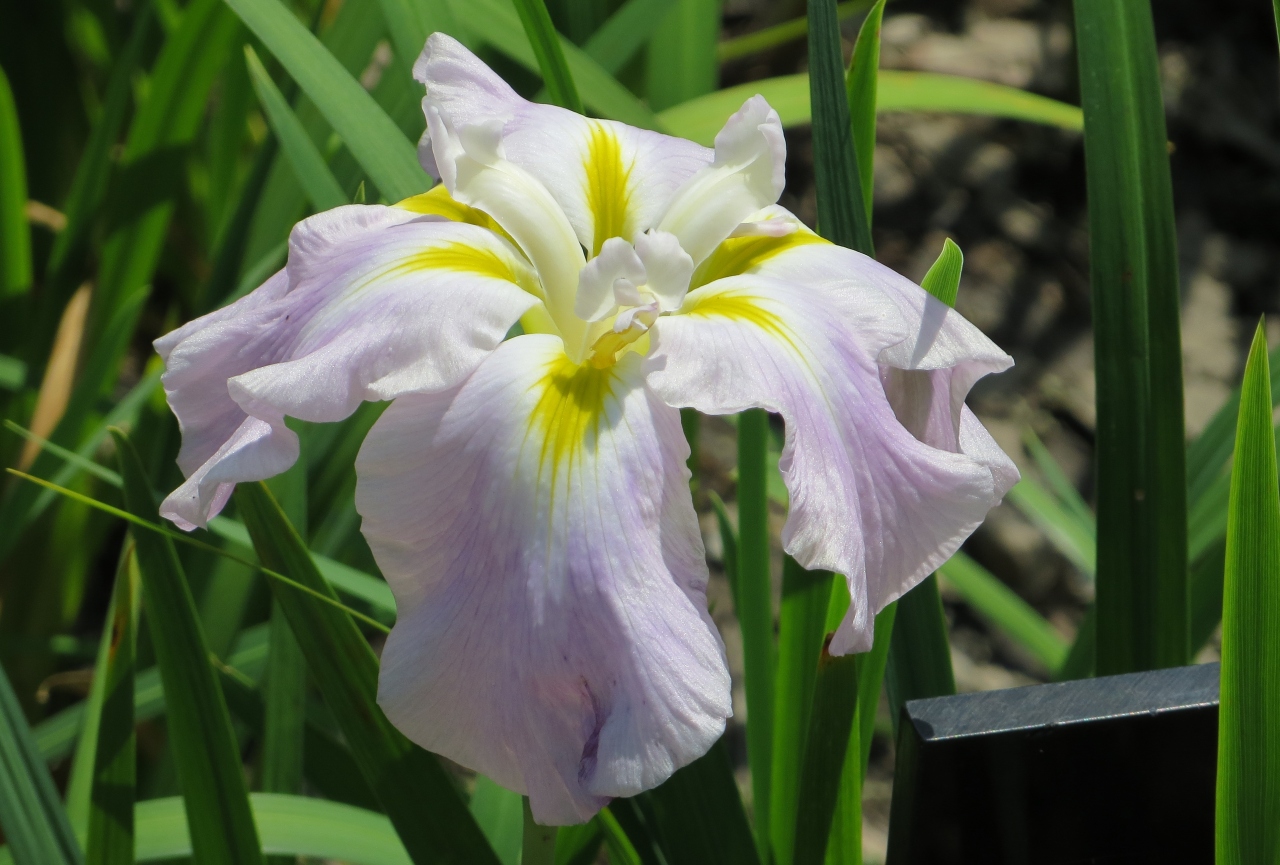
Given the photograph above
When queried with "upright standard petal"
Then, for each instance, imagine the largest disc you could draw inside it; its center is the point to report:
(536, 527)
(374, 302)
(869, 498)
(611, 180)
(747, 174)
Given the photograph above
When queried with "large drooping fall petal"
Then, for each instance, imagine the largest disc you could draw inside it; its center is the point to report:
(536, 527)
(880, 500)
(374, 302)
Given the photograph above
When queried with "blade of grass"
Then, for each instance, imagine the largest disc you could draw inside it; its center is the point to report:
(700, 119)
(308, 165)
(1248, 787)
(151, 169)
(379, 146)
(919, 655)
(625, 32)
(1012, 615)
(1059, 484)
(802, 625)
(201, 739)
(285, 687)
(538, 844)
(344, 578)
(546, 48)
(860, 92)
(500, 816)
(174, 535)
(80, 784)
(779, 34)
(290, 826)
(15, 232)
(755, 613)
(601, 93)
(1075, 540)
(698, 815)
(31, 814)
(1208, 454)
(56, 735)
(1141, 455)
(111, 830)
(832, 734)
(418, 796)
(682, 60)
(842, 213)
(580, 845)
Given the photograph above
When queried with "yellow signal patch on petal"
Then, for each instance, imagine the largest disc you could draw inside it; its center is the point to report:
(466, 258)
(744, 308)
(438, 202)
(607, 186)
(566, 418)
(739, 255)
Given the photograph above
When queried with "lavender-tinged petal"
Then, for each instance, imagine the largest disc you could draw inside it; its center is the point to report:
(869, 499)
(536, 527)
(374, 302)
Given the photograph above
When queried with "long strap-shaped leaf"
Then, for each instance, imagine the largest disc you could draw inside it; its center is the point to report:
(111, 830)
(289, 825)
(1141, 456)
(303, 155)
(15, 233)
(373, 138)
(753, 601)
(417, 795)
(200, 735)
(1248, 801)
(698, 815)
(700, 119)
(546, 47)
(842, 212)
(30, 811)
(802, 624)
(164, 125)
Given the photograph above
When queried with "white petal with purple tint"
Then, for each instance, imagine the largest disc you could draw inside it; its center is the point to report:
(536, 527)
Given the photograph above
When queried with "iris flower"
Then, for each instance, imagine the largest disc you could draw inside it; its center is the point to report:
(527, 497)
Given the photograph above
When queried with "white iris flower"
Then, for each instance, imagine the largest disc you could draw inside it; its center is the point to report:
(528, 499)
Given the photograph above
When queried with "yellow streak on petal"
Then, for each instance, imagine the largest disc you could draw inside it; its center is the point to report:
(438, 202)
(567, 415)
(738, 255)
(461, 256)
(607, 187)
(745, 308)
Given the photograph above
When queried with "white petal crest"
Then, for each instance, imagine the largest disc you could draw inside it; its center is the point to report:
(748, 174)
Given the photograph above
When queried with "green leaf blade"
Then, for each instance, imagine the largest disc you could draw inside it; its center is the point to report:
(1248, 791)
(1141, 449)
(842, 211)
(700, 119)
(418, 797)
(111, 830)
(15, 233)
(860, 92)
(31, 813)
(307, 163)
(755, 612)
(377, 143)
(802, 625)
(203, 743)
(546, 47)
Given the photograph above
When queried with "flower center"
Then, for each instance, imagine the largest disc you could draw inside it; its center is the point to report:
(624, 289)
